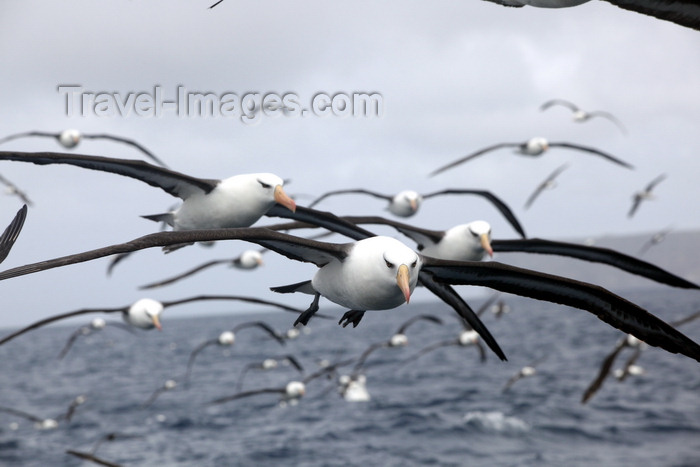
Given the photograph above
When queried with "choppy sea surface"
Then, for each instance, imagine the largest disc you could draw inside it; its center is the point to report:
(444, 408)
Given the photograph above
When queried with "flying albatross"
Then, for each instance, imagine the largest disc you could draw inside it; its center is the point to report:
(11, 232)
(268, 364)
(96, 324)
(580, 115)
(71, 138)
(407, 202)
(238, 201)
(227, 339)
(144, 313)
(547, 184)
(532, 147)
(645, 194)
(388, 272)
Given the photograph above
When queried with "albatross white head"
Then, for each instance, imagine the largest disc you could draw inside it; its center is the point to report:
(145, 314)
(405, 203)
(69, 138)
(249, 259)
(535, 146)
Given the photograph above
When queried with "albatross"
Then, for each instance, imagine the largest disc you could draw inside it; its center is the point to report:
(389, 272)
(11, 232)
(547, 184)
(70, 138)
(579, 115)
(645, 194)
(532, 147)
(237, 201)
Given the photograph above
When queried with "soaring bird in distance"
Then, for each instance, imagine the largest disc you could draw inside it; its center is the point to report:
(11, 232)
(169, 385)
(268, 364)
(238, 201)
(71, 138)
(96, 324)
(407, 202)
(580, 115)
(227, 339)
(144, 313)
(380, 273)
(12, 189)
(47, 423)
(646, 194)
(547, 184)
(655, 239)
(524, 372)
(532, 147)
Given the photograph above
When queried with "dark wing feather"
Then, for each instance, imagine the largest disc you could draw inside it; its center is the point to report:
(92, 458)
(259, 324)
(472, 156)
(495, 200)
(592, 151)
(655, 182)
(193, 355)
(69, 343)
(344, 192)
(603, 373)
(323, 219)
(241, 395)
(187, 273)
(431, 318)
(20, 413)
(614, 310)
(233, 297)
(130, 142)
(636, 201)
(562, 102)
(9, 236)
(51, 319)
(542, 186)
(595, 255)
(29, 133)
(174, 183)
(418, 235)
(608, 116)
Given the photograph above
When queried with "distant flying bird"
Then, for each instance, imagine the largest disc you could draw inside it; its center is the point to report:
(248, 260)
(524, 372)
(353, 388)
(13, 190)
(380, 273)
(580, 115)
(169, 385)
(547, 184)
(144, 313)
(96, 324)
(227, 339)
(655, 239)
(269, 364)
(71, 138)
(646, 194)
(47, 423)
(238, 201)
(407, 202)
(532, 147)
(9, 236)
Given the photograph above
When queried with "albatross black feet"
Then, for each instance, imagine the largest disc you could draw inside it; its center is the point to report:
(306, 315)
(352, 316)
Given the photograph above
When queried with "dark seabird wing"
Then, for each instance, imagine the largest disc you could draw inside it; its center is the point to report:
(685, 320)
(472, 156)
(422, 237)
(29, 133)
(604, 370)
(232, 297)
(592, 151)
(314, 218)
(431, 318)
(571, 106)
(543, 186)
(655, 182)
(683, 12)
(16, 191)
(174, 183)
(428, 349)
(130, 142)
(485, 306)
(22, 414)
(190, 272)
(366, 353)
(352, 191)
(512, 380)
(595, 255)
(51, 319)
(9, 236)
(636, 201)
(83, 330)
(628, 364)
(92, 458)
(264, 326)
(194, 354)
(614, 310)
(496, 201)
(608, 116)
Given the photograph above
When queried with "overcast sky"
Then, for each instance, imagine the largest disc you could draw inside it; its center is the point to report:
(453, 76)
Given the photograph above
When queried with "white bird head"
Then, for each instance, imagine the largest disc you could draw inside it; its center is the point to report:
(249, 259)
(405, 203)
(536, 146)
(468, 337)
(398, 340)
(98, 323)
(69, 138)
(268, 189)
(295, 389)
(227, 338)
(481, 230)
(145, 314)
(269, 363)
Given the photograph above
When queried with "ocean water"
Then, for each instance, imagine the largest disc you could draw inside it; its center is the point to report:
(444, 408)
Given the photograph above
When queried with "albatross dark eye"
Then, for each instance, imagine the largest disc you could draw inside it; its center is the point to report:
(413, 264)
(389, 264)
(264, 185)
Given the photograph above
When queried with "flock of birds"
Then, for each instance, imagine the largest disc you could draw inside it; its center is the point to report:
(369, 272)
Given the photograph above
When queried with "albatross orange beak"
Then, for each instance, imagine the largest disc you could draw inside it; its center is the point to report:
(486, 244)
(282, 198)
(402, 280)
(156, 322)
